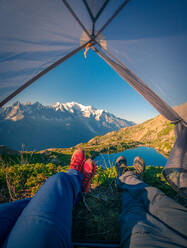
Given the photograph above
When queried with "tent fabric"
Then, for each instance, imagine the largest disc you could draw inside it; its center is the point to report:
(33, 35)
(81, 11)
(142, 88)
(37, 33)
(177, 175)
(147, 38)
(109, 10)
(150, 38)
(95, 6)
(40, 74)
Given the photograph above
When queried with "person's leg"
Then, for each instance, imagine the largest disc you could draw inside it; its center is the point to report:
(140, 229)
(156, 202)
(139, 218)
(9, 212)
(46, 221)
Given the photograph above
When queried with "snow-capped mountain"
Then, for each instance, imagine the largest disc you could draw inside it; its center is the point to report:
(58, 125)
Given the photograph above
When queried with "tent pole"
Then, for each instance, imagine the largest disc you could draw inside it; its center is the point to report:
(49, 68)
(89, 10)
(76, 18)
(93, 29)
(112, 17)
(101, 9)
(94, 19)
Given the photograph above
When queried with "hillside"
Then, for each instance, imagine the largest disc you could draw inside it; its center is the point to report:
(157, 133)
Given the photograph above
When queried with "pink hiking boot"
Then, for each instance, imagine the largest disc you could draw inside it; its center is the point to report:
(77, 160)
(88, 171)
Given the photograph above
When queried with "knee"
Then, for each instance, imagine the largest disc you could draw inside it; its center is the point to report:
(56, 178)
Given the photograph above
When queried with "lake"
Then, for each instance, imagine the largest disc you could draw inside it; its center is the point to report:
(150, 155)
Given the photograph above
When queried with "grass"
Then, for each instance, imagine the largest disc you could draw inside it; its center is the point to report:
(96, 217)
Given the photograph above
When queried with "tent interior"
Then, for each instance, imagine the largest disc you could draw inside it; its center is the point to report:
(151, 56)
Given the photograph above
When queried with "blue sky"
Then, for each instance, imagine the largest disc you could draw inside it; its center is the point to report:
(89, 81)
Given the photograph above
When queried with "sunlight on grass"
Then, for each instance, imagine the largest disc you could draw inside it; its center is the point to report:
(96, 217)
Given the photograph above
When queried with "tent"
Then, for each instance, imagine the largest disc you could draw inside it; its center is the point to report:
(36, 36)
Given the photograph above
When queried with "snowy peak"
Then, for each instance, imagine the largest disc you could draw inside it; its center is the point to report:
(63, 112)
(84, 111)
(15, 113)
(57, 125)
(74, 107)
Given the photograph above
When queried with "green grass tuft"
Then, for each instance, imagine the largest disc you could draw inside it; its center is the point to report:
(94, 218)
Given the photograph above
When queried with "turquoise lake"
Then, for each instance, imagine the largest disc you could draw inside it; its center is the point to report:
(150, 155)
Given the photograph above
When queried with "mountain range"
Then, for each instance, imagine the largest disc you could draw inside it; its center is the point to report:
(59, 125)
